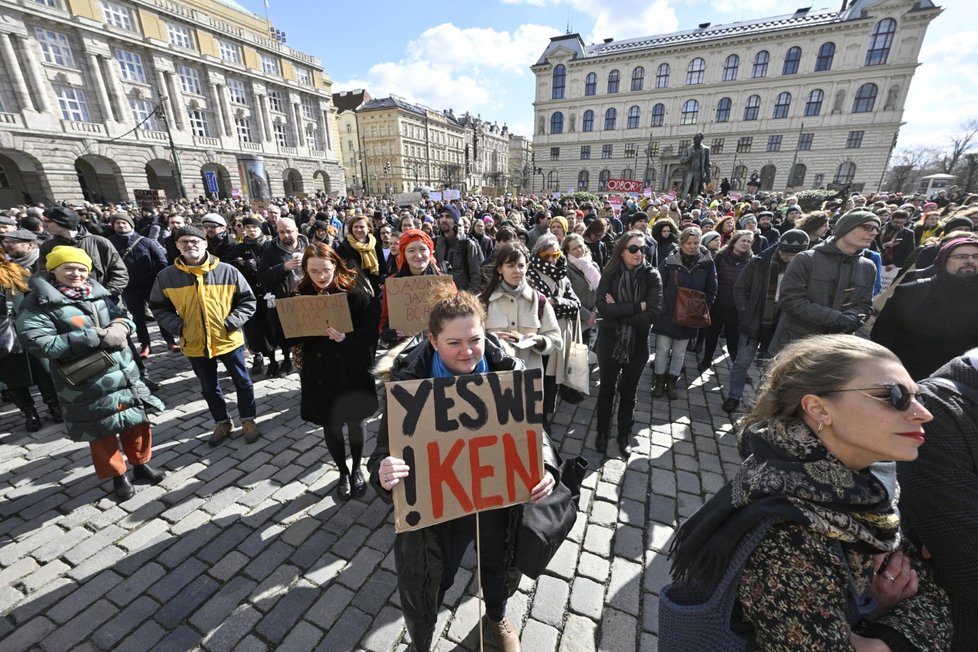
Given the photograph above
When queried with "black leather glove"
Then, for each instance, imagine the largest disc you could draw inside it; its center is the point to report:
(847, 323)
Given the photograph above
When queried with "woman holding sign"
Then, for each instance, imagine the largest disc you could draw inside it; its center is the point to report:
(428, 558)
(415, 257)
(335, 379)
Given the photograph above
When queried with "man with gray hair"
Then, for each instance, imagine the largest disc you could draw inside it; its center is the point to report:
(279, 272)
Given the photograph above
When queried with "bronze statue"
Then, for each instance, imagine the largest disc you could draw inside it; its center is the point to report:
(696, 158)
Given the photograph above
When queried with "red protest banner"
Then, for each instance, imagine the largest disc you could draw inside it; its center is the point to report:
(624, 185)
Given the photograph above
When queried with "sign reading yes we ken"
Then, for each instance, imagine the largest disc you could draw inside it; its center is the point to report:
(473, 443)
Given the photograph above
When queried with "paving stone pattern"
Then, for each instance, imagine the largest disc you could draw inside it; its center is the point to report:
(243, 547)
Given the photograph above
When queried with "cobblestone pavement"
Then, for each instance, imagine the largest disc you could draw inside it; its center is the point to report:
(243, 547)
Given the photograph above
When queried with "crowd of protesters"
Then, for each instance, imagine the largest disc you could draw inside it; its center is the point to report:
(543, 273)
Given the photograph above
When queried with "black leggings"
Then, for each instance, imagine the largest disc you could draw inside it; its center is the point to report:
(724, 321)
(337, 446)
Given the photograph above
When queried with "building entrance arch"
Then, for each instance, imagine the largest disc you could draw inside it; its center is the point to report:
(161, 175)
(217, 181)
(100, 180)
(767, 176)
(22, 180)
(292, 179)
(324, 179)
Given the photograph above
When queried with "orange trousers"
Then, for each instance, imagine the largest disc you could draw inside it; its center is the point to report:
(137, 442)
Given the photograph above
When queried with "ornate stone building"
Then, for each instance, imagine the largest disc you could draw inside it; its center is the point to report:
(346, 104)
(98, 97)
(805, 100)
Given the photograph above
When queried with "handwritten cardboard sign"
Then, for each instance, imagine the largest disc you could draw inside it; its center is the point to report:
(308, 316)
(409, 300)
(473, 443)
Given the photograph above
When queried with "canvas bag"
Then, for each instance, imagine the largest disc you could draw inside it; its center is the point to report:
(691, 309)
(577, 371)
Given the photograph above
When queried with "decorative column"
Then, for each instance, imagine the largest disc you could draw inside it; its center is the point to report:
(300, 136)
(116, 93)
(175, 109)
(95, 69)
(264, 118)
(20, 84)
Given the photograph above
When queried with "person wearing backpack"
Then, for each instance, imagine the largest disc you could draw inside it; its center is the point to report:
(461, 255)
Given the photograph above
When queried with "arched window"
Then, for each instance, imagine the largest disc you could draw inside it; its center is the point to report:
(591, 83)
(638, 78)
(691, 110)
(761, 59)
(753, 107)
(588, 122)
(603, 180)
(723, 109)
(825, 55)
(782, 105)
(613, 79)
(627, 173)
(730, 67)
(739, 177)
(792, 59)
(583, 179)
(553, 180)
(865, 99)
(879, 44)
(797, 176)
(559, 80)
(814, 105)
(610, 116)
(768, 173)
(662, 76)
(845, 174)
(696, 71)
(634, 114)
(557, 123)
(658, 115)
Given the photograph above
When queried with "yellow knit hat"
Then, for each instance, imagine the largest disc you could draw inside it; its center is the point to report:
(64, 254)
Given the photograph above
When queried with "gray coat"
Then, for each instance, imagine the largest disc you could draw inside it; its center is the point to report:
(819, 285)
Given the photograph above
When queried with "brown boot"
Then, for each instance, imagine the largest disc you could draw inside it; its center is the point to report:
(505, 635)
(221, 432)
(660, 386)
(671, 387)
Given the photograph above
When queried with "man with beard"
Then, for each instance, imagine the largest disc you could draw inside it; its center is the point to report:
(144, 258)
(279, 272)
(462, 255)
(107, 267)
(542, 226)
(896, 241)
(219, 241)
(930, 321)
(246, 257)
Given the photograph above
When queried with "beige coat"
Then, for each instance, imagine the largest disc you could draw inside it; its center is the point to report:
(508, 313)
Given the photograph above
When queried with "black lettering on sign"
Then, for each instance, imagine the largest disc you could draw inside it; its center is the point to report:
(412, 404)
(442, 405)
(410, 487)
(478, 405)
(509, 402)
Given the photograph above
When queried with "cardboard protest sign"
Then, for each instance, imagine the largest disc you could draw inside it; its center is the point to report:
(309, 316)
(409, 300)
(473, 443)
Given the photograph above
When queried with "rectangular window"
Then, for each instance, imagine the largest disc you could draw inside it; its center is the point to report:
(117, 15)
(130, 66)
(684, 144)
(631, 149)
(606, 151)
(717, 147)
(744, 143)
(269, 64)
(302, 75)
(47, 3)
(585, 152)
(309, 110)
(855, 140)
(774, 143)
(236, 90)
(229, 51)
(312, 138)
(281, 136)
(180, 36)
(189, 80)
(72, 103)
(198, 123)
(805, 142)
(554, 153)
(144, 115)
(275, 101)
(243, 126)
(654, 149)
(55, 47)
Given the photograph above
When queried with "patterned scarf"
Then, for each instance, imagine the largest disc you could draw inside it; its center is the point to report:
(368, 253)
(789, 474)
(75, 294)
(554, 271)
(626, 294)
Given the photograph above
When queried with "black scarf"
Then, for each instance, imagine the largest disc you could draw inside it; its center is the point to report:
(627, 292)
(255, 242)
(789, 474)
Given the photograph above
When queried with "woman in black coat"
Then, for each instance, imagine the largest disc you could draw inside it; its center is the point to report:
(629, 297)
(335, 380)
(666, 236)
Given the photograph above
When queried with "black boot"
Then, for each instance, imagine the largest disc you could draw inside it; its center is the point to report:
(33, 423)
(145, 474)
(623, 445)
(257, 364)
(660, 386)
(601, 442)
(123, 488)
(671, 387)
(54, 410)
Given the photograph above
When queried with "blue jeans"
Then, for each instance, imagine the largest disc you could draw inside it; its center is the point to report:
(746, 350)
(670, 354)
(206, 371)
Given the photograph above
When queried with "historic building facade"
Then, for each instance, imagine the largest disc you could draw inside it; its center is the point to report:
(100, 98)
(805, 100)
(346, 104)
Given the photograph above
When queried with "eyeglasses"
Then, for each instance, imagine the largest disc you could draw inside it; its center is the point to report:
(870, 228)
(963, 257)
(550, 255)
(899, 395)
(634, 249)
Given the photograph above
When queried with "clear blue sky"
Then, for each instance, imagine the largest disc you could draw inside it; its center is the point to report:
(474, 56)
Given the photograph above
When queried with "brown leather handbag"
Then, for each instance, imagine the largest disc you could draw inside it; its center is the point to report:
(691, 309)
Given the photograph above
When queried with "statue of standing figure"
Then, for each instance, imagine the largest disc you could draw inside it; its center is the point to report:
(696, 158)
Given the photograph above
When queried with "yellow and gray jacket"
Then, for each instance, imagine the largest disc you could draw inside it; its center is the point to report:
(205, 305)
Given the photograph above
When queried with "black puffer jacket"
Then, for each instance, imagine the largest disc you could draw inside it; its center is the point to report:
(418, 554)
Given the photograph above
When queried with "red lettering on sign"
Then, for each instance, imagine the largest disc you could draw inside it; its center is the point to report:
(515, 466)
(440, 471)
(480, 472)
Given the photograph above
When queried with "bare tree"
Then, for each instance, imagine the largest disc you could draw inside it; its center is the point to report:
(908, 165)
(960, 145)
(970, 172)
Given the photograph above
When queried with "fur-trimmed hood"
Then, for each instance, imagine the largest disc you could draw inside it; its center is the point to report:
(411, 359)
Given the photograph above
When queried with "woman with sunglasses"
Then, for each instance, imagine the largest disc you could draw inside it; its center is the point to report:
(629, 297)
(691, 266)
(547, 274)
(831, 570)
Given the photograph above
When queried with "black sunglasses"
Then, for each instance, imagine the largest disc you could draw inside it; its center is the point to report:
(899, 397)
(634, 249)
